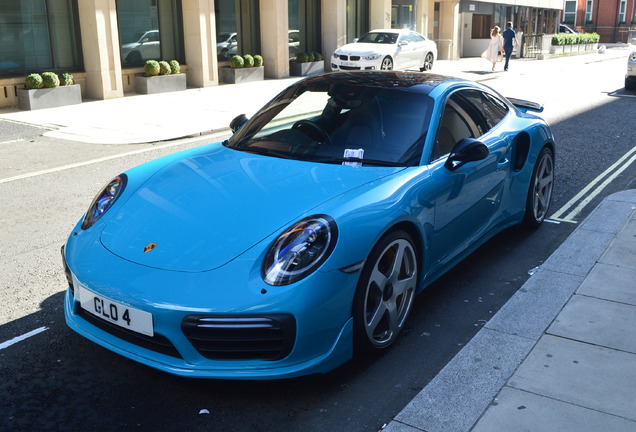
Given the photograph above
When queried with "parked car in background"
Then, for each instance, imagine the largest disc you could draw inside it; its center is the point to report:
(565, 28)
(630, 75)
(146, 46)
(304, 237)
(386, 49)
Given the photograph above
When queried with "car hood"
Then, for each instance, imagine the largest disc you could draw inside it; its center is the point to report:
(361, 48)
(201, 212)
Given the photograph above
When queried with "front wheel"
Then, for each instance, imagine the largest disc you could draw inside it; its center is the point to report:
(428, 63)
(387, 63)
(540, 190)
(385, 292)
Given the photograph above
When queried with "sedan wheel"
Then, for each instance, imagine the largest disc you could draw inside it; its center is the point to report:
(387, 63)
(540, 191)
(385, 292)
(428, 62)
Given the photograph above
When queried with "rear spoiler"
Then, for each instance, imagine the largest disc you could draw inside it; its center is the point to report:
(525, 105)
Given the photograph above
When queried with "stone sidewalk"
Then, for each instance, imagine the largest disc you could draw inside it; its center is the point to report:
(560, 355)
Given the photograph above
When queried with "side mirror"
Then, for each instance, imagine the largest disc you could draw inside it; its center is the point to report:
(355, 40)
(237, 122)
(467, 150)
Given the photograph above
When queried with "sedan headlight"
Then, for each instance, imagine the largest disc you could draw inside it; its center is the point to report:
(104, 200)
(372, 57)
(300, 250)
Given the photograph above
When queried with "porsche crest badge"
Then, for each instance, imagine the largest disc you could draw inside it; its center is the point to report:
(149, 247)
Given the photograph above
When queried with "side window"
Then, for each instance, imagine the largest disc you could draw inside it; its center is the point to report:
(459, 121)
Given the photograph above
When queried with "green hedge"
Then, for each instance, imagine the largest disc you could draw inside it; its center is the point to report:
(575, 39)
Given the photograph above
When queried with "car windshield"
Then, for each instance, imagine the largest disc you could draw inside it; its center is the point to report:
(379, 37)
(343, 124)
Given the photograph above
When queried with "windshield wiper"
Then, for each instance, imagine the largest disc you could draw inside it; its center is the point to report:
(266, 152)
(357, 160)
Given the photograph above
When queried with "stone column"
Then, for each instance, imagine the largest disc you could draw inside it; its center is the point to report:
(334, 27)
(199, 32)
(100, 47)
(379, 14)
(275, 37)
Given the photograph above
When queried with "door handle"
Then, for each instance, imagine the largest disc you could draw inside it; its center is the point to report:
(503, 164)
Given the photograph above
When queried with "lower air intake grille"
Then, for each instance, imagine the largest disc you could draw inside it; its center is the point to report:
(266, 337)
(155, 343)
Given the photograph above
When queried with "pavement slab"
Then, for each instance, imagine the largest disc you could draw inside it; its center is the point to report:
(611, 283)
(578, 373)
(519, 411)
(599, 322)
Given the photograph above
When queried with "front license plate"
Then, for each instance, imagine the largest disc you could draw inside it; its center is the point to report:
(124, 316)
(348, 63)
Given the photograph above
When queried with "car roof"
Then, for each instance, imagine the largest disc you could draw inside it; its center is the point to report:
(416, 81)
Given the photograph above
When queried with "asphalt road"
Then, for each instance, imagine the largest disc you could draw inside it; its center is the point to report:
(56, 380)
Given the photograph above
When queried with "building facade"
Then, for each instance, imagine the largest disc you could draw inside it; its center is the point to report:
(104, 43)
(611, 19)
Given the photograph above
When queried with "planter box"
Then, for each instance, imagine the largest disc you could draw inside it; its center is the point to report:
(306, 68)
(34, 99)
(556, 49)
(242, 75)
(160, 83)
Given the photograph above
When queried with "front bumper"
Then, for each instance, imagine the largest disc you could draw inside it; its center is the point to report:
(355, 63)
(311, 319)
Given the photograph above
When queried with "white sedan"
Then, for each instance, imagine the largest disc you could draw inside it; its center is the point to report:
(386, 49)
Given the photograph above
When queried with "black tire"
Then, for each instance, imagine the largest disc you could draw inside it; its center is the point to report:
(385, 292)
(630, 84)
(387, 63)
(134, 57)
(540, 189)
(428, 63)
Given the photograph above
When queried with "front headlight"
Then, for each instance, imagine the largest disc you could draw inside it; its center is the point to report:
(372, 57)
(300, 250)
(335, 55)
(104, 200)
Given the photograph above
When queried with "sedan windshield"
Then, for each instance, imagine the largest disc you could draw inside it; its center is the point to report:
(344, 124)
(379, 37)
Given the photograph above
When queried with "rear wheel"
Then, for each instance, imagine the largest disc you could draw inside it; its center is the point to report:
(428, 62)
(385, 292)
(540, 191)
(387, 63)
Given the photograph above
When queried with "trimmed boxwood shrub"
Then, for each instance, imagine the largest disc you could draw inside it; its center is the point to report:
(236, 61)
(66, 79)
(317, 56)
(152, 68)
(164, 68)
(302, 57)
(34, 81)
(248, 61)
(175, 68)
(258, 60)
(50, 79)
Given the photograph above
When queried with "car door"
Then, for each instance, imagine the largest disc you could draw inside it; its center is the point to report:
(408, 52)
(467, 199)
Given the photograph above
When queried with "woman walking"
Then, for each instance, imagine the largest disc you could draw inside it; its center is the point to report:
(495, 47)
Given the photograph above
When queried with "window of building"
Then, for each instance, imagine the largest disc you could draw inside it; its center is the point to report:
(39, 35)
(238, 28)
(621, 11)
(482, 24)
(357, 18)
(150, 30)
(588, 11)
(304, 26)
(569, 12)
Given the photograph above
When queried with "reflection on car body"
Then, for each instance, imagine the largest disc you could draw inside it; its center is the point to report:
(304, 238)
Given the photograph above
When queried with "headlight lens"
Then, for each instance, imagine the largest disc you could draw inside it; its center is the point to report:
(300, 250)
(372, 57)
(104, 200)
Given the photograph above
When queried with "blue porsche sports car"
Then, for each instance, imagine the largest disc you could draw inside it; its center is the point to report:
(304, 237)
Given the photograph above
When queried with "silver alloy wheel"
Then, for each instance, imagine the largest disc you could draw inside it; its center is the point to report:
(428, 62)
(543, 181)
(389, 292)
(387, 63)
